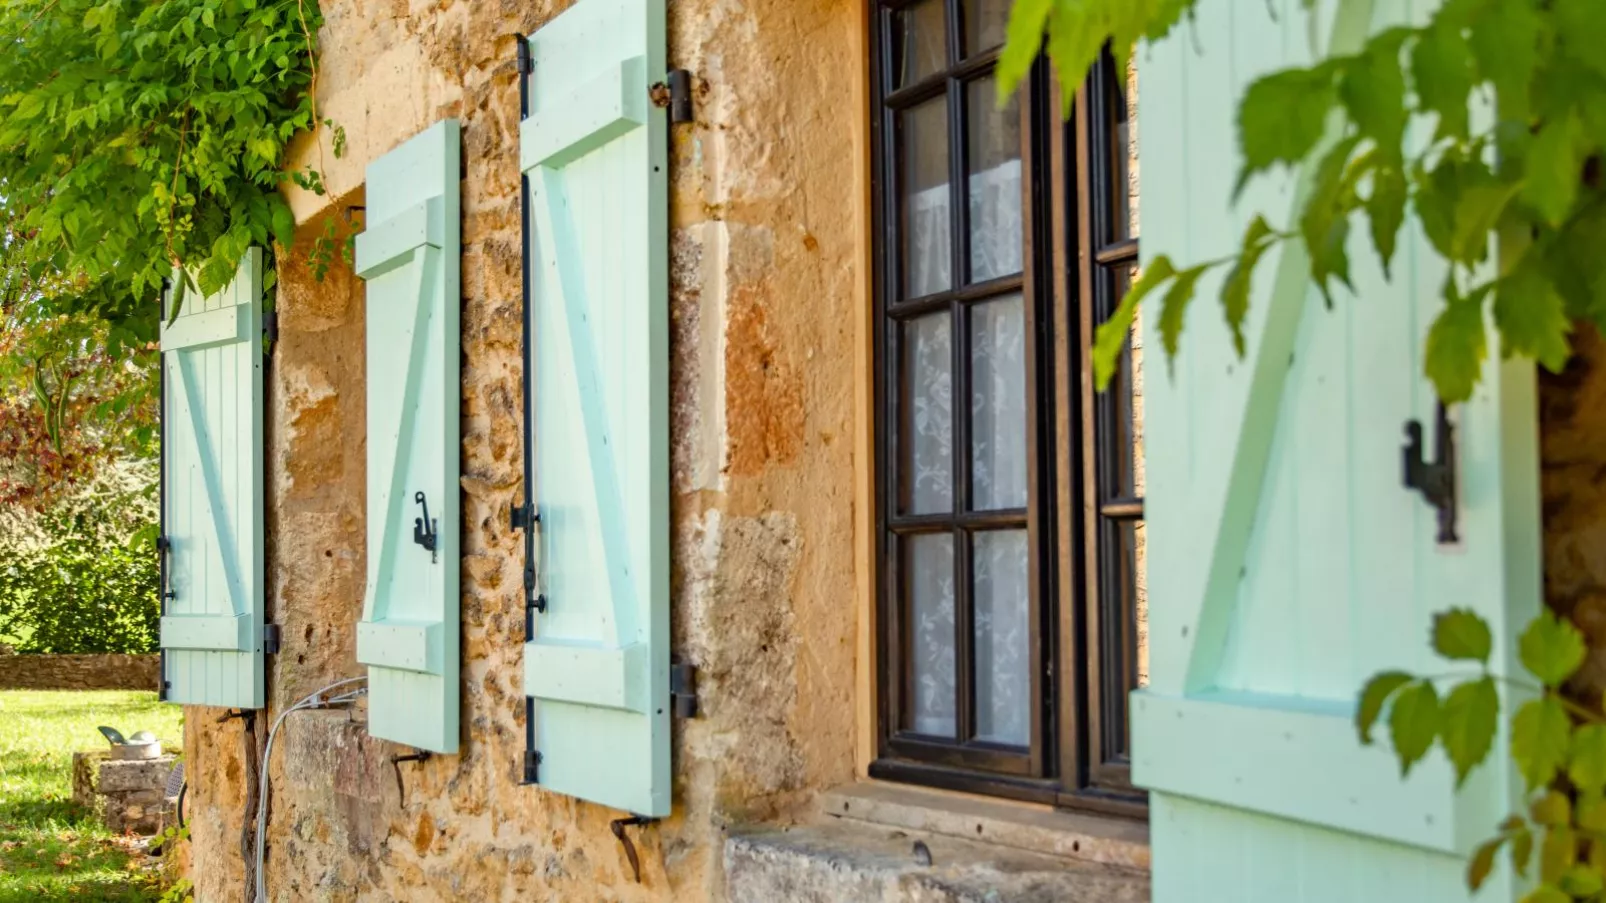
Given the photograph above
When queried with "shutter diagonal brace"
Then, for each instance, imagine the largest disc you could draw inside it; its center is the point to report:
(551, 208)
(395, 495)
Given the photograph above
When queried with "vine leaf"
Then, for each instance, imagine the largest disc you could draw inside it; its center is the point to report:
(1557, 854)
(1461, 635)
(1545, 893)
(1555, 160)
(1414, 722)
(1552, 809)
(1282, 117)
(1235, 291)
(1442, 73)
(1375, 694)
(1470, 715)
(1386, 210)
(1531, 315)
(1456, 345)
(1581, 882)
(1112, 333)
(1539, 740)
(1551, 649)
(1373, 91)
(1482, 862)
(1174, 308)
(1586, 766)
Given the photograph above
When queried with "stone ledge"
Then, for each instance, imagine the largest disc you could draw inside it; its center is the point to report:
(1037, 829)
(845, 859)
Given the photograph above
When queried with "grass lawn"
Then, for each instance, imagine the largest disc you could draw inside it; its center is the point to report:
(51, 849)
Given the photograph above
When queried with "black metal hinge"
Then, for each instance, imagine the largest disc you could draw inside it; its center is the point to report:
(525, 62)
(1435, 479)
(674, 92)
(522, 517)
(271, 639)
(682, 688)
(532, 767)
(270, 326)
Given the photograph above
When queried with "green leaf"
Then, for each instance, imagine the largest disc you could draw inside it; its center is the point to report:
(1522, 850)
(1112, 334)
(1235, 290)
(1282, 117)
(1325, 222)
(1590, 810)
(1373, 696)
(1482, 862)
(1551, 649)
(1545, 893)
(1414, 722)
(1554, 167)
(1456, 345)
(1373, 90)
(1586, 762)
(1531, 315)
(1476, 213)
(1581, 882)
(1554, 808)
(1557, 853)
(1023, 40)
(1470, 715)
(1505, 42)
(1540, 734)
(1442, 73)
(1174, 308)
(1386, 209)
(1461, 635)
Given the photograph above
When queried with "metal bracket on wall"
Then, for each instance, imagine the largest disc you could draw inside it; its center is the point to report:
(532, 764)
(271, 635)
(248, 716)
(1435, 479)
(618, 826)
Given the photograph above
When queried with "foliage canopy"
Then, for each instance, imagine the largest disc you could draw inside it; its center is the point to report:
(142, 136)
(1487, 120)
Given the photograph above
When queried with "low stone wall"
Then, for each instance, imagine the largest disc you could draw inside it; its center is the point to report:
(79, 672)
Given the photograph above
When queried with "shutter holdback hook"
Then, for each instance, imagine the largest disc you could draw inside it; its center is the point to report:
(426, 532)
(618, 826)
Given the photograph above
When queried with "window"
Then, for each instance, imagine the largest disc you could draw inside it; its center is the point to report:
(1008, 627)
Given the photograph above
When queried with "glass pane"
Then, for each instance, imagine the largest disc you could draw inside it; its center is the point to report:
(998, 404)
(994, 183)
(986, 22)
(929, 577)
(1122, 469)
(1123, 148)
(923, 131)
(1003, 638)
(919, 43)
(928, 421)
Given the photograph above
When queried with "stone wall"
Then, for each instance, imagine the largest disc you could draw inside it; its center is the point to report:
(128, 795)
(768, 311)
(79, 672)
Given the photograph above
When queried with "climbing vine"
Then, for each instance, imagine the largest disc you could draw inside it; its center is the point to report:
(143, 137)
(1487, 122)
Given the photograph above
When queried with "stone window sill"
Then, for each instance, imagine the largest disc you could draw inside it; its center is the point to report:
(1033, 829)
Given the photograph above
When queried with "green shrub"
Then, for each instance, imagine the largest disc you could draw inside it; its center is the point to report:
(82, 577)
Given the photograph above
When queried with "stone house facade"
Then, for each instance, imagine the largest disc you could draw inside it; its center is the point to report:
(772, 285)
(837, 752)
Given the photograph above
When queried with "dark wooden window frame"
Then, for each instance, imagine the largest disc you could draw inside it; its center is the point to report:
(1067, 762)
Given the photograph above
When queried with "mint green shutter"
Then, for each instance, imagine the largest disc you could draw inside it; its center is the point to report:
(1286, 562)
(211, 629)
(410, 256)
(593, 150)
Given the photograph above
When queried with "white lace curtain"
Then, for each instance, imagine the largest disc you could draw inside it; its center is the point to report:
(997, 457)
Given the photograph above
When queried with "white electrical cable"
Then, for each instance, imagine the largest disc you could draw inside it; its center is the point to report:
(306, 703)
